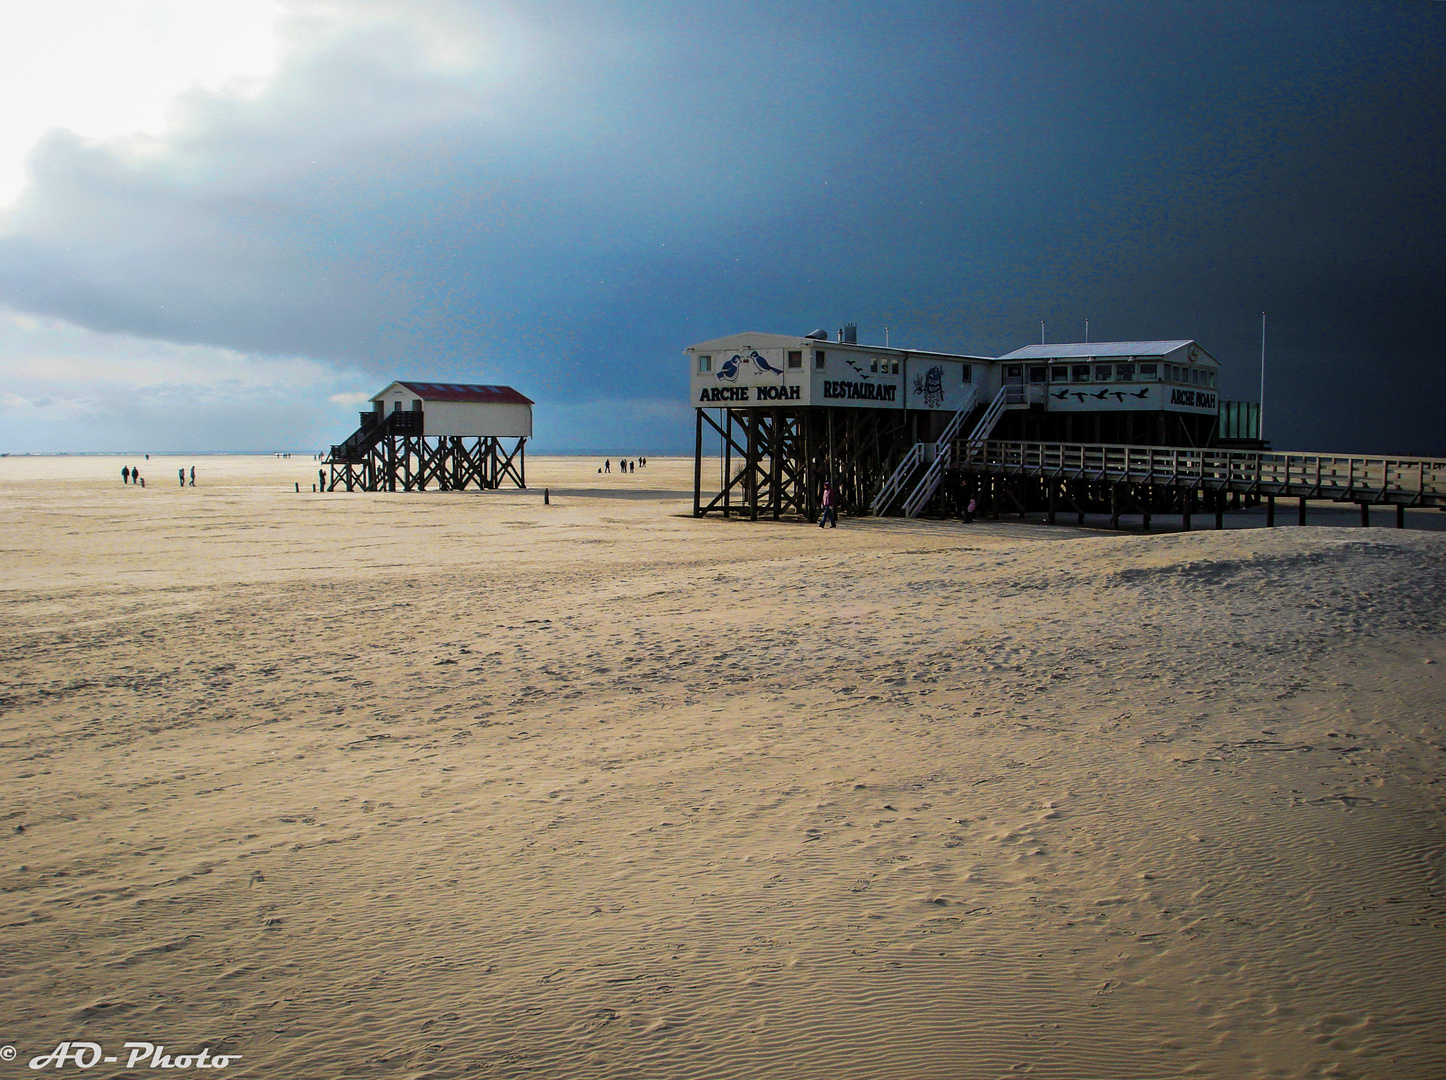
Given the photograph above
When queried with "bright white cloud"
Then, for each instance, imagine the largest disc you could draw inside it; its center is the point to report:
(121, 73)
(105, 69)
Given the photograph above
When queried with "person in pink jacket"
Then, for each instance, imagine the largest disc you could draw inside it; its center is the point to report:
(829, 516)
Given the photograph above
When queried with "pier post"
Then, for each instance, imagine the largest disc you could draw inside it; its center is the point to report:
(1400, 515)
(1365, 515)
(1270, 511)
(1301, 520)
(1053, 496)
(1219, 510)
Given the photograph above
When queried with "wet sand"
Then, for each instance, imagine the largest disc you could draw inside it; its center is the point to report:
(443, 785)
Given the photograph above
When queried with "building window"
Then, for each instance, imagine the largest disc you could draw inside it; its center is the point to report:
(705, 364)
(1194, 376)
(1210, 379)
(874, 366)
(1125, 372)
(968, 373)
(416, 405)
(1104, 372)
(1013, 374)
(795, 360)
(1037, 374)
(1149, 372)
(1080, 373)
(818, 360)
(894, 367)
(1059, 373)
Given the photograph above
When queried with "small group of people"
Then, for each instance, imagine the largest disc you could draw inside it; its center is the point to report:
(130, 474)
(624, 466)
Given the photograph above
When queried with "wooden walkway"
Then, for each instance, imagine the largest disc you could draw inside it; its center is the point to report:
(1139, 479)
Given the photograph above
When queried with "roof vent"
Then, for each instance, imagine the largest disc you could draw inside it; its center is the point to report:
(851, 333)
(818, 335)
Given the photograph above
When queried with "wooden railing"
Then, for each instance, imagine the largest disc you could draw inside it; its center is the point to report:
(1342, 478)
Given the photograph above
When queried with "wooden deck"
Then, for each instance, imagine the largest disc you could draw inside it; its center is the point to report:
(1142, 479)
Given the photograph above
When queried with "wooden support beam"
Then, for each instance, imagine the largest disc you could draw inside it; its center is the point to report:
(1400, 515)
(698, 463)
(1301, 518)
(1365, 515)
(1270, 511)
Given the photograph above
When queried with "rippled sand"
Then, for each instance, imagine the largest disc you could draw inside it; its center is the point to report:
(441, 785)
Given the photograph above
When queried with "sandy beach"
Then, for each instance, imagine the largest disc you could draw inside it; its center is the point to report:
(462, 784)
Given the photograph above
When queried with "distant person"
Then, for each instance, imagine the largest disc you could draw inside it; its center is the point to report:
(971, 510)
(320, 479)
(608, 465)
(125, 474)
(193, 476)
(632, 466)
(181, 475)
(136, 477)
(829, 516)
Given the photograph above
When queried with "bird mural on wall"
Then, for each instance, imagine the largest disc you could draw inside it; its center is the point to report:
(730, 367)
(1118, 395)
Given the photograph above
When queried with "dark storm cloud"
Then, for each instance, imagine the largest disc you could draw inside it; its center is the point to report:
(604, 190)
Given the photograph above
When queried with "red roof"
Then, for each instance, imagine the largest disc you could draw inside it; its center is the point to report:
(491, 395)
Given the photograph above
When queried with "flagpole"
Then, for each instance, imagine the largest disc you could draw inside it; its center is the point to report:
(1261, 433)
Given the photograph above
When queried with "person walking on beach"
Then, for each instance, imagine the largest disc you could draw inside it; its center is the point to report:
(970, 509)
(829, 516)
(193, 476)
(125, 474)
(608, 465)
(181, 475)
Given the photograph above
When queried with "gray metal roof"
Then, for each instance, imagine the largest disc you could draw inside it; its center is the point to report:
(1095, 348)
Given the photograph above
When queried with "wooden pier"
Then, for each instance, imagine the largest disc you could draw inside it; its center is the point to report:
(1145, 480)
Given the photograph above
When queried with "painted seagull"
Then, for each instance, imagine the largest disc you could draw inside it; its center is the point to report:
(1061, 395)
(1101, 395)
(1141, 394)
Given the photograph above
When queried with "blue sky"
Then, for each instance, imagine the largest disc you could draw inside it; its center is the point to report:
(224, 224)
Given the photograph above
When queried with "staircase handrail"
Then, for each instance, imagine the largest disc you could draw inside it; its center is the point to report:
(928, 483)
(951, 429)
(985, 427)
(895, 482)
